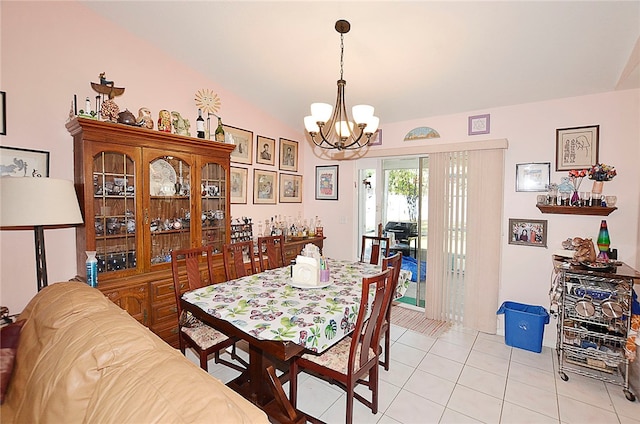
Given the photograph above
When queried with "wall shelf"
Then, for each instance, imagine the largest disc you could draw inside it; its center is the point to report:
(575, 210)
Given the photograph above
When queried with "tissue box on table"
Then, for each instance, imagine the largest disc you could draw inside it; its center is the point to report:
(306, 271)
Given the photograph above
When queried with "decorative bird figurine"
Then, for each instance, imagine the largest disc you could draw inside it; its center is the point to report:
(144, 118)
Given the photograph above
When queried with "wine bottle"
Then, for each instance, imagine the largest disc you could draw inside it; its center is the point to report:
(219, 131)
(200, 124)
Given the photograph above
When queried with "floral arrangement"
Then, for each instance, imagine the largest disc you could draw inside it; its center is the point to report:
(576, 176)
(602, 172)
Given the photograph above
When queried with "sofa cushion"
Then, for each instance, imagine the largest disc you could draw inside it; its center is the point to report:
(9, 339)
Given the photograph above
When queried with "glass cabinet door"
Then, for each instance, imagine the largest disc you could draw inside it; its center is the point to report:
(169, 207)
(213, 186)
(114, 208)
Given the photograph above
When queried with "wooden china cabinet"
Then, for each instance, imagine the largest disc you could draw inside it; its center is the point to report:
(144, 193)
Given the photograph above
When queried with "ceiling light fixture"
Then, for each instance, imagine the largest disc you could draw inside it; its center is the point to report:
(327, 122)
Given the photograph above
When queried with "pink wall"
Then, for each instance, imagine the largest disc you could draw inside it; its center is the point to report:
(53, 50)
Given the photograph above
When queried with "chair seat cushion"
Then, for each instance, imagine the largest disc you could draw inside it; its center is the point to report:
(203, 335)
(337, 357)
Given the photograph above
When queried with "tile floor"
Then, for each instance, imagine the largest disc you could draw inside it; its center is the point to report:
(468, 377)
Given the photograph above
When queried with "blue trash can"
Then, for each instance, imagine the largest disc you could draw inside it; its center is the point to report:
(524, 325)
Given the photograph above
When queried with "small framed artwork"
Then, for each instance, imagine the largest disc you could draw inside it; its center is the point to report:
(238, 185)
(243, 140)
(577, 148)
(376, 138)
(3, 113)
(528, 232)
(265, 185)
(533, 176)
(288, 155)
(265, 150)
(290, 189)
(327, 182)
(16, 162)
(479, 124)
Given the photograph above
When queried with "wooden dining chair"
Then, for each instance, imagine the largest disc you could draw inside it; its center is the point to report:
(394, 263)
(233, 256)
(192, 332)
(271, 252)
(352, 358)
(379, 247)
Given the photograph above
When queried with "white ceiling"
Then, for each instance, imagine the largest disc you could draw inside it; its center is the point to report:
(408, 59)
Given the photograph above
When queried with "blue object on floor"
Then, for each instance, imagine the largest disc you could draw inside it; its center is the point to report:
(411, 264)
(524, 325)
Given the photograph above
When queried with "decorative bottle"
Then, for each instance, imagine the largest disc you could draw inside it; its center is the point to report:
(92, 268)
(219, 134)
(200, 124)
(603, 242)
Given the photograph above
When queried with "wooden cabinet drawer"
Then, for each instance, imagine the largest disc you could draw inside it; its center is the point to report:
(162, 291)
(164, 312)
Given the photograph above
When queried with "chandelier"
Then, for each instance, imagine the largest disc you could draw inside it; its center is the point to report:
(328, 123)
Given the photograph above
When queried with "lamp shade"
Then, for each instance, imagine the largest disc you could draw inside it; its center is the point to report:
(27, 202)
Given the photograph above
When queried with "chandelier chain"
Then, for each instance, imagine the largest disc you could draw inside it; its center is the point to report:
(341, 55)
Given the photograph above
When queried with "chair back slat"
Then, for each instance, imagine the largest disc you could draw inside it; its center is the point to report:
(233, 255)
(189, 260)
(379, 248)
(271, 252)
(366, 334)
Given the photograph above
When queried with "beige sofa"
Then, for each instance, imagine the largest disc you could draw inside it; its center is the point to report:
(83, 359)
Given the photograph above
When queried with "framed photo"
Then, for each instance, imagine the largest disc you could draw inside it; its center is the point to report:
(265, 185)
(238, 185)
(528, 232)
(3, 113)
(17, 162)
(576, 148)
(243, 140)
(327, 182)
(290, 189)
(265, 150)
(533, 176)
(479, 124)
(376, 138)
(288, 155)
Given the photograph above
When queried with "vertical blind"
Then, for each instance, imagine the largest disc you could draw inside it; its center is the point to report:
(463, 247)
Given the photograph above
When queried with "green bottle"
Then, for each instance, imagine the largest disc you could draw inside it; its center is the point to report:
(219, 134)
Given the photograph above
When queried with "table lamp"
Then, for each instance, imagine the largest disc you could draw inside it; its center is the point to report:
(37, 203)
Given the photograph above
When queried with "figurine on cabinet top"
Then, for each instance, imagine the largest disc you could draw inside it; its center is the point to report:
(144, 118)
(180, 125)
(164, 121)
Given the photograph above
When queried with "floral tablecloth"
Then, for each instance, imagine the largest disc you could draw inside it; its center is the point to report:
(267, 307)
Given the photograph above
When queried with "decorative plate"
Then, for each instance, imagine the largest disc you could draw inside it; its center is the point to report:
(299, 285)
(163, 178)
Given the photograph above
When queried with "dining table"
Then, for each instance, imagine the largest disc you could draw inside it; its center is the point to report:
(281, 319)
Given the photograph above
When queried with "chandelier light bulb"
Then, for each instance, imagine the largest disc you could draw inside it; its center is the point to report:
(362, 113)
(321, 111)
(344, 129)
(372, 125)
(311, 124)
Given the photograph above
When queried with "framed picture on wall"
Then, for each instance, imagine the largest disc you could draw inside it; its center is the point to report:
(479, 124)
(288, 155)
(528, 232)
(533, 176)
(3, 113)
(238, 185)
(243, 140)
(265, 150)
(376, 138)
(327, 182)
(16, 162)
(265, 185)
(577, 148)
(290, 189)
